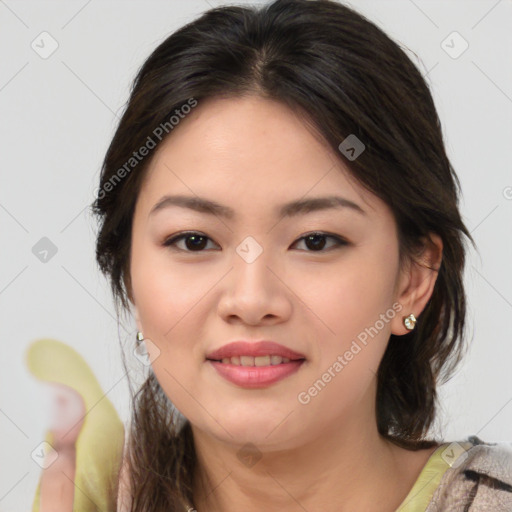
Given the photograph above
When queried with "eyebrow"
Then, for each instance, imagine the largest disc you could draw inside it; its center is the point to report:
(294, 208)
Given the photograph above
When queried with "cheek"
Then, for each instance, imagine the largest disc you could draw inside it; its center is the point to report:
(354, 294)
(168, 301)
(352, 337)
(165, 291)
(354, 304)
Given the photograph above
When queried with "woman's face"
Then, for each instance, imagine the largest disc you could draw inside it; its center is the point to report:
(254, 277)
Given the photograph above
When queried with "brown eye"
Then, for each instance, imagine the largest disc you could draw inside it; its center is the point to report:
(194, 242)
(316, 241)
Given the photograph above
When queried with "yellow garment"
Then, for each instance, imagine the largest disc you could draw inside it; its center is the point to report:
(423, 489)
(99, 447)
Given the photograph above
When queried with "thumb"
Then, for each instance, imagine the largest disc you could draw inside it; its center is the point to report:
(67, 415)
(99, 433)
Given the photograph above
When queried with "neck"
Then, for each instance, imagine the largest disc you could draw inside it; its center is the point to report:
(345, 467)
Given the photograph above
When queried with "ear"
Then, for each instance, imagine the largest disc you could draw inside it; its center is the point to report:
(416, 282)
(127, 281)
(137, 319)
(129, 292)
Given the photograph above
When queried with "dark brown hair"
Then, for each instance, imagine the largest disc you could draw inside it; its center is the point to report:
(344, 76)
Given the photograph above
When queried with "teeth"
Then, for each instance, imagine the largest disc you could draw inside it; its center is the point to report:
(255, 361)
(246, 361)
(262, 361)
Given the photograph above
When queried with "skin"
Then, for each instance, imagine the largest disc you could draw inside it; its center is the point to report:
(57, 480)
(323, 455)
(57, 483)
(253, 154)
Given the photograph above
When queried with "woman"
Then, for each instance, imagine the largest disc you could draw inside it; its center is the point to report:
(279, 179)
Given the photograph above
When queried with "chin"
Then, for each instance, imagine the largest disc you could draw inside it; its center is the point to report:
(243, 427)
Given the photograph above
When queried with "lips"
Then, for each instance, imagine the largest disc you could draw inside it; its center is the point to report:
(254, 349)
(254, 377)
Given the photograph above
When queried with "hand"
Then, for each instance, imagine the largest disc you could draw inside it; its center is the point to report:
(68, 416)
(86, 434)
(57, 479)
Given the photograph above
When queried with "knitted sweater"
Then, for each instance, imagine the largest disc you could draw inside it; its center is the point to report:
(468, 476)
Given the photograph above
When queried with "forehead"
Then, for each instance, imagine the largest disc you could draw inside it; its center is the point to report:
(248, 149)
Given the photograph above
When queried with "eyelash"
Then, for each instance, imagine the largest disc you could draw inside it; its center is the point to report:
(171, 242)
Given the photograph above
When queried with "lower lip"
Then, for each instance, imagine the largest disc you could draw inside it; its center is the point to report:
(255, 376)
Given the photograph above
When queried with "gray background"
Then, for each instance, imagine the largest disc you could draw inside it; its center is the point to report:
(58, 115)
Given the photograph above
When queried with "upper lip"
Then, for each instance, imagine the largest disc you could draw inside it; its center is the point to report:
(254, 349)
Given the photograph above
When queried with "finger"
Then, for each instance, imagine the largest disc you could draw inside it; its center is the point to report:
(66, 415)
(99, 442)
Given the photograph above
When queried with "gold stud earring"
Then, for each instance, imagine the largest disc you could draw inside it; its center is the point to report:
(410, 321)
(140, 338)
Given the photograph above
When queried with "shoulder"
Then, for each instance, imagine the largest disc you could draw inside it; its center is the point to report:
(479, 476)
(492, 459)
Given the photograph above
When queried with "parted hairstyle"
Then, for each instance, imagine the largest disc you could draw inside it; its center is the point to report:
(343, 75)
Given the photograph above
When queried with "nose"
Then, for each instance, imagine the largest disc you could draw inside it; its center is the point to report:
(254, 292)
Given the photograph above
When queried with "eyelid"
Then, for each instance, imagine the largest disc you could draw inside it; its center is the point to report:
(340, 241)
(171, 241)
